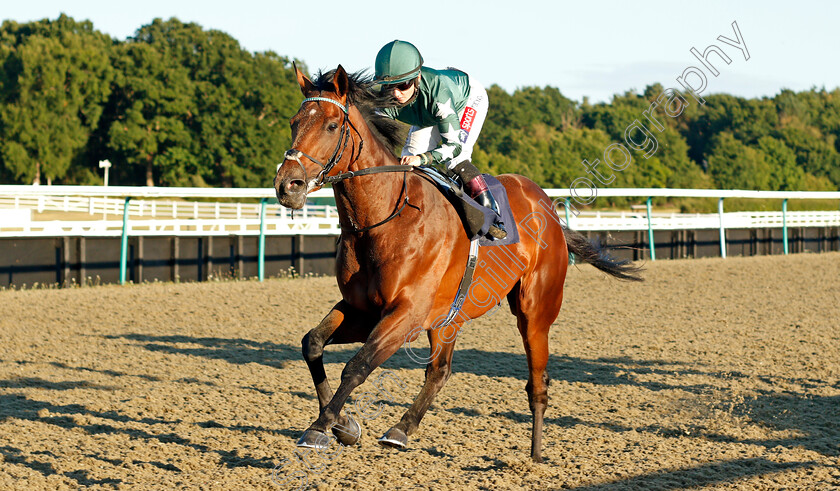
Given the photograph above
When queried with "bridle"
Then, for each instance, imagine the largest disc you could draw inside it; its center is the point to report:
(343, 139)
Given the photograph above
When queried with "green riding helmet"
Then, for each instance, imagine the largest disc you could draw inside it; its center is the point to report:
(397, 62)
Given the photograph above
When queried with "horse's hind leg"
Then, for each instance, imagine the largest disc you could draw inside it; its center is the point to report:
(534, 317)
(342, 325)
(438, 370)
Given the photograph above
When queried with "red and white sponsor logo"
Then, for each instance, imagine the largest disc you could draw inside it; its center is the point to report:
(467, 119)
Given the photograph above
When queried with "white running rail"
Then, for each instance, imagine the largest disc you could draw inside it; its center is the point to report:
(157, 216)
(601, 221)
(151, 208)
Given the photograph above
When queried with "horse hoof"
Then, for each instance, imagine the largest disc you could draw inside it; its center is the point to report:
(394, 437)
(349, 434)
(314, 439)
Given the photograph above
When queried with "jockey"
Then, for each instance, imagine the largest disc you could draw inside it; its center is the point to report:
(446, 110)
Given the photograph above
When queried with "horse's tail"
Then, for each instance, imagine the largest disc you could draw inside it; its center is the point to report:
(591, 252)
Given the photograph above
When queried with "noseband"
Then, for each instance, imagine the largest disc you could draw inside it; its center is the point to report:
(340, 146)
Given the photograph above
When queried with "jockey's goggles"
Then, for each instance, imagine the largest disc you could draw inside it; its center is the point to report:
(401, 87)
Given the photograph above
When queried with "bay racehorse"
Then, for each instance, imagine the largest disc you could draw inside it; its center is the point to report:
(402, 254)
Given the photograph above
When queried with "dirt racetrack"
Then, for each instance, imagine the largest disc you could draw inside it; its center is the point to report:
(711, 374)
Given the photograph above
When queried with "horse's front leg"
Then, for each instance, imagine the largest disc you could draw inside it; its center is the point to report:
(385, 339)
(438, 370)
(342, 325)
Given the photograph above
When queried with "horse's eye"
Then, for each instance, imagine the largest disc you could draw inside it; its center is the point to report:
(332, 126)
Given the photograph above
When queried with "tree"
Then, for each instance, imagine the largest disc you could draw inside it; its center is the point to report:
(191, 107)
(785, 175)
(148, 118)
(734, 165)
(180, 105)
(746, 119)
(243, 107)
(815, 153)
(55, 81)
(685, 173)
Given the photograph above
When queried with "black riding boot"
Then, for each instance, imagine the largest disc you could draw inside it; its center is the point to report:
(480, 192)
(486, 199)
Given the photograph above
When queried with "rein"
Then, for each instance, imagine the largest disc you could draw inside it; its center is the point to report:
(405, 169)
(403, 194)
(369, 170)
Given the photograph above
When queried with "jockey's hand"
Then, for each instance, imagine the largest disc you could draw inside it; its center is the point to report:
(412, 160)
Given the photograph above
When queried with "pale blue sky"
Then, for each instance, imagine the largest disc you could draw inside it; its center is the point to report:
(583, 48)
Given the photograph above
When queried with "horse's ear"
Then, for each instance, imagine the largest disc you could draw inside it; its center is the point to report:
(306, 85)
(340, 81)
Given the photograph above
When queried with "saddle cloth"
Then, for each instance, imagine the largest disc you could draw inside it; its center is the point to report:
(476, 218)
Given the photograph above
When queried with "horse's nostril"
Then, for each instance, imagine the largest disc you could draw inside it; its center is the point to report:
(295, 184)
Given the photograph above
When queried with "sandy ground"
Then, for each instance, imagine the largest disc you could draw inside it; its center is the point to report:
(712, 374)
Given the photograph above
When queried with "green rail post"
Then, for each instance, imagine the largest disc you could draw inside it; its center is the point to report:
(784, 225)
(722, 230)
(650, 233)
(566, 208)
(124, 242)
(261, 248)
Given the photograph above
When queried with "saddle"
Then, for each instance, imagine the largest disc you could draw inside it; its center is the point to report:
(475, 218)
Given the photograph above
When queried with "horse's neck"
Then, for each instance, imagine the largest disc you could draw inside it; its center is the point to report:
(366, 200)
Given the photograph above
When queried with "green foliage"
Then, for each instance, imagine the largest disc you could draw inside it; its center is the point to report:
(192, 108)
(179, 105)
(785, 174)
(734, 165)
(56, 77)
(815, 152)
(148, 115)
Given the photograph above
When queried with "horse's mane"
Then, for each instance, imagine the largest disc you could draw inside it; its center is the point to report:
(360, 93)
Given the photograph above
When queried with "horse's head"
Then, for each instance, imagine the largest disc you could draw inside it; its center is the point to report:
(321, 132)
